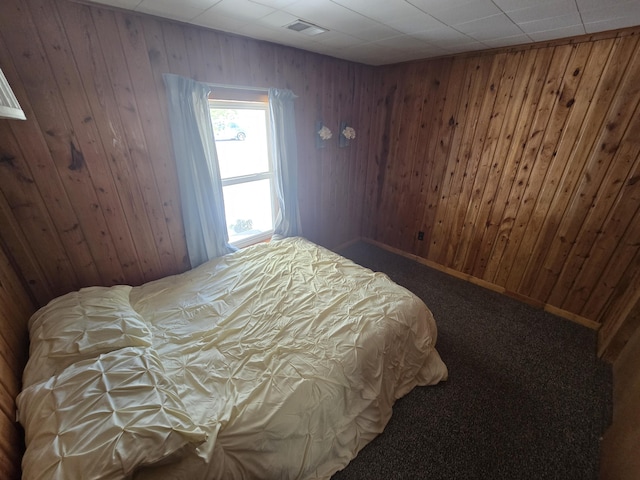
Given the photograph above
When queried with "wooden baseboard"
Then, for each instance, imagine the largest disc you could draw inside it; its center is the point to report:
(490, 286)
(344, 245)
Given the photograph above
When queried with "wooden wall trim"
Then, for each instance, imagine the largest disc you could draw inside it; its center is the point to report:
(489, 286)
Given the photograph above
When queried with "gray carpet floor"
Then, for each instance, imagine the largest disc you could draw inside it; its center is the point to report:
(526, 397)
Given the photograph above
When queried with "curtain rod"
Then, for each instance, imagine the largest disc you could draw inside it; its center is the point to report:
(236, 87)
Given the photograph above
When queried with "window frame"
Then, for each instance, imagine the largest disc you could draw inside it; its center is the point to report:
(238, 101)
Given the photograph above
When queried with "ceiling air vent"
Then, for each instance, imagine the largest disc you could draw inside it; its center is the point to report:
(306, 28)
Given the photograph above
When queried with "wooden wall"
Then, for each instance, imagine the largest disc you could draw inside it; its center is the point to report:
(520, 166)
(15, 308)
(621, 444)
(88, 188)
(522, 169)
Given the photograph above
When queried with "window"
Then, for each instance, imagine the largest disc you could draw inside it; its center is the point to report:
(241, 130)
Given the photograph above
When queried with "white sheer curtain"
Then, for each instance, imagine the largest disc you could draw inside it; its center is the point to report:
(285, 153)
(198, 172)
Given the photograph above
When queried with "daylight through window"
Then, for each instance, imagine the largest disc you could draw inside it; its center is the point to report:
(241, 130)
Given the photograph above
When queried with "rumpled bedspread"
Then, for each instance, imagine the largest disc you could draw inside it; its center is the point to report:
(288, 355)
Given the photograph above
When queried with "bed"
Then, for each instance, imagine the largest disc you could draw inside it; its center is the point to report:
(281, 360)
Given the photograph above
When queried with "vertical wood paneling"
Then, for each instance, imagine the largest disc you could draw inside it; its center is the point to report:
(89, 187)
(517, 170)
(363, 93)
(486, 180)
(482, 97)
(476, 163)
(433, 176)
(521, 166)
(427, 115)
(387, 183)
(373, 170)
(579, 98)
(308, 205)
(15, 308)
(162, 189)
(602, 233)
(572, 152)
(407, 121)
(621, 443)
(502, 172)
(454, 170)
(600, 157)
(622, 310)
(135, 175)
(75, 141)
(539, 157)
(532, 187)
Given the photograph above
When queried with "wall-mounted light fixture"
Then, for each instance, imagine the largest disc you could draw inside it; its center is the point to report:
(347, 133)
(322, 134)
(9, 106)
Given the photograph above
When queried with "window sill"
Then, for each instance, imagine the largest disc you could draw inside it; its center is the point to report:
(247, 242)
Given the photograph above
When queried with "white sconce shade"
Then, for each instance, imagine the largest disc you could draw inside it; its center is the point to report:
(9, 106)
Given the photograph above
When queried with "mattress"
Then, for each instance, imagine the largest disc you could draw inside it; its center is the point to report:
(286, 357)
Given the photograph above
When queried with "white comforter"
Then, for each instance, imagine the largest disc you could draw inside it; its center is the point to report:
(287, 356)
(290, 356)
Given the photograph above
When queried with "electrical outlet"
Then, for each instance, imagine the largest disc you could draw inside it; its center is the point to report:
(420, 235)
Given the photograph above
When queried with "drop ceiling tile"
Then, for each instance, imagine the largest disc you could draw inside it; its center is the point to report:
(467, 47)
(370, 48)
(596, 4)
(194, 3)
(541, 10)
(429, 6)
(369, 6)
(128, 4)
(176, 11)
(375, 32)
(509, 5)
(618, 10)
(610, 24)
(507, 41)
(277, 4)
(403, 42)
(443, 36)
(396, 14)
(454, 13)
(277, 19)
(473, 24)
(280, 36)
(241, 9)
(330, 15)
(496, 26)
(416, 23)
(552, 23)
(215, 20)
(337, 39)
(559, 33)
